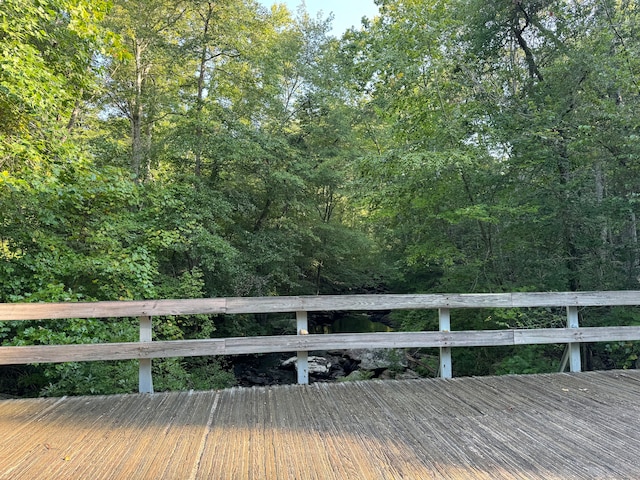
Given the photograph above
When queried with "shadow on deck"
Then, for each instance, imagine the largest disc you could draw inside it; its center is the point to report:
(554, 426)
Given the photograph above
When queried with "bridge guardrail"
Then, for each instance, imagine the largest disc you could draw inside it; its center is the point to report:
(146, 349)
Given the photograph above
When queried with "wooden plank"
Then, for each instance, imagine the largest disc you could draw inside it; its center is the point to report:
(145, 378)
(578, 299)
(345, 341)
(264, 305)
(295, 343)
(248, 345)
(109, 351)
(239, 305)
(428, 301)
(424, 301)
(444, 316)
(42, 311)
(404, 302)
(569, 335)
(302, 357)
(575, 362)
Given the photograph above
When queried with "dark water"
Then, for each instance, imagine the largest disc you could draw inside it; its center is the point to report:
(353, 323)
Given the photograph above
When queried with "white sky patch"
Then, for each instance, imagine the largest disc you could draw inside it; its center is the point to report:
(347, 13)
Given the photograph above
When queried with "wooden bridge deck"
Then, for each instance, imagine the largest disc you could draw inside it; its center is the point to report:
(556, 426)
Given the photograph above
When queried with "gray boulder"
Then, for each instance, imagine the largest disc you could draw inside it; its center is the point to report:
(379, 359)
(317, 365)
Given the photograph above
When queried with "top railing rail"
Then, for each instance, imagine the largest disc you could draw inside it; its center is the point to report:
(240, 305)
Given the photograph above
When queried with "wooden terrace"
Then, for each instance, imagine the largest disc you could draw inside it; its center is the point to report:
(554, 426)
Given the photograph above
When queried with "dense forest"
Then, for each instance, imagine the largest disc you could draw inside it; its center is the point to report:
(199, 148)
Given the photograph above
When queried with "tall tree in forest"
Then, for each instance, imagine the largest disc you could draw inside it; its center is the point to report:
(142, 75)
(567, 74)
(66, 229)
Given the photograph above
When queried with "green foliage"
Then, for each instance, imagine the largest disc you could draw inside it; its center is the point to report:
(69, 233)
(426, 362)
(90, 378)
(617, 355)
(46, 50)
(87, 378)
(415, 320)
(530, 359)
(194, 374)
(477, 361)
(496, 177)
(528, 318)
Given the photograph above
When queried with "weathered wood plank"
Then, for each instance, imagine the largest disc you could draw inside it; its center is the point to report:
(571, 335)
(109, 351)
(139, 308)
(295, 343)
(575, 361)
(249, 345)
(145, 378)
(345, 341)
(239, 305)
(446, 371)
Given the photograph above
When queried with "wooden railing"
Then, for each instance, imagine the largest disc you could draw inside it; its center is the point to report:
(445, 339)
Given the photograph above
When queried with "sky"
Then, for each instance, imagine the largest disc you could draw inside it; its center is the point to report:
(347, 13)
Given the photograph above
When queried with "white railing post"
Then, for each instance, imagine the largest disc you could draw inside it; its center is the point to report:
(575, 363)
(445, 352)
(302, 362)
(145, 381)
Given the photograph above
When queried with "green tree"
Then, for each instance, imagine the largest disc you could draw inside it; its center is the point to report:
(46, 54)
(509, 164)
(503, 114)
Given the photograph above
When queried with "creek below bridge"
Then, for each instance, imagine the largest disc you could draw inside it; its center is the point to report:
(279, 369)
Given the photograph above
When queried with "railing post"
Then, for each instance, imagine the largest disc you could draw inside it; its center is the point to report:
(575, 363)
(445, 352)
(302, 362)
(145, 381)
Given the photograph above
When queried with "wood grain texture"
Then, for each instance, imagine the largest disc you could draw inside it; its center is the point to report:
(239, 305)
(577, 335)
(308, 343)
(152, 308)
(535, 427)
(109, 351)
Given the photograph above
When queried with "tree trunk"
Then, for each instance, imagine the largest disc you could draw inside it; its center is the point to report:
(137, 110)
(200, 94)
(604, 229)
(568, 232)
(635, 257)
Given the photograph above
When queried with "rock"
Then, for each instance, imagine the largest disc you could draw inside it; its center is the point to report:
(251, 370)
(337, 372)
(289, 362)
(378, 359)
(317, 365)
